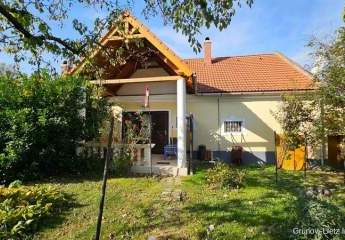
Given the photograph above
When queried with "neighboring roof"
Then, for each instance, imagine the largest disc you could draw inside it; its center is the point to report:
(252, 73)
(168, 54)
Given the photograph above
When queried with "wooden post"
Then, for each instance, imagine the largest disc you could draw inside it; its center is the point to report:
(305, 155)
(276, 155)
(190, 119)
(323, 140)
(105, 175)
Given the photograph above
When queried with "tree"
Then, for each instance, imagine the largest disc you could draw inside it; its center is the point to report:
(321, 113)
(330, 78)
(43, 119)
(295, 117)
(29, 26)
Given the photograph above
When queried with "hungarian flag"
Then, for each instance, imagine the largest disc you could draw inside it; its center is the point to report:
(147, 97)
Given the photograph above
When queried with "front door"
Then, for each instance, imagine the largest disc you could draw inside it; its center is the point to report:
(160, 130)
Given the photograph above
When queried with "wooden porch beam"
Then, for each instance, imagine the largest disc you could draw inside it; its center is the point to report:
(119, 38)
(135, 80)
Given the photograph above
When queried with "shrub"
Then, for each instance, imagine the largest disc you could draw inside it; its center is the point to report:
(41, 124)
(136, 131)
(221, 175)
(122, 162)
(23, 208)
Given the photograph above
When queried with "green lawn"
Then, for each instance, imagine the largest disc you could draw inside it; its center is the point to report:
(135, 207)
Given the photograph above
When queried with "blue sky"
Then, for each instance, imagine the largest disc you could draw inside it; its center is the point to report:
(269, 26)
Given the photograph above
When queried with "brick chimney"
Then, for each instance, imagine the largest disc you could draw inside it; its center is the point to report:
(207, 51)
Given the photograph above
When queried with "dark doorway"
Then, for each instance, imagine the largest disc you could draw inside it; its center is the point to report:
(159, 131)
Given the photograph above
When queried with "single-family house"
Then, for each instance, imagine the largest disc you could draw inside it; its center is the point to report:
(218, 102)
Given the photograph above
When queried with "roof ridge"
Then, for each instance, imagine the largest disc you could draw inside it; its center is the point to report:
(234, 56)
(150, 36)
(295, 65)
(141, 24)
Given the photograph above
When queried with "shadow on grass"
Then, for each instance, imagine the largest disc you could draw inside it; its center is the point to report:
(68, 178)
(60, 212)
(85, 177)
(276, 210)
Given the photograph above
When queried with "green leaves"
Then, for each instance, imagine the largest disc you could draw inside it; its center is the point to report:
(189, 17)
(30, 29)
(41, 125)
(221, 175)
(23, 208)
(296, 115)
(330, 77)
(320, 113)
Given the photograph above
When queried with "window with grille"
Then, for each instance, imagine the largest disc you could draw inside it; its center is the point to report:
(233, 126)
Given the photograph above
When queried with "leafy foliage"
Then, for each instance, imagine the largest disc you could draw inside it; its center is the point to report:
(33, 26)
(122, 162)
(43, 120)
(322, 112)
(190, 16)
(136, 130)
(22, 209)
(330, 78)
(221, 175)
(295, 116)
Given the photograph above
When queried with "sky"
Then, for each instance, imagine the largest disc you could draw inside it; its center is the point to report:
(268, 26)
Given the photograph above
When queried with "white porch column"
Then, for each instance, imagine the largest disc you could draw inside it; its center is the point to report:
(181, 123)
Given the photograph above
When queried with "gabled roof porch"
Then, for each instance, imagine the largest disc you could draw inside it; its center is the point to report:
(168, 116)
(147, 61)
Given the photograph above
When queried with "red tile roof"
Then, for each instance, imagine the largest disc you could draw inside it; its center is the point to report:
(252, 73)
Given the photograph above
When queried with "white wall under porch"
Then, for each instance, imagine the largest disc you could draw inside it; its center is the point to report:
(160, 166)
(175, 104)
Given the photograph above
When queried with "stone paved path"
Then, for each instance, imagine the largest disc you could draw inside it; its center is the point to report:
(168, 207)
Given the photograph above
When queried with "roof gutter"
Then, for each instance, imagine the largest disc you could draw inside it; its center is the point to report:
(266, 93)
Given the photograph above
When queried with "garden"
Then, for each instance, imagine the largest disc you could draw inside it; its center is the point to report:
(50, 184)
(193, 208)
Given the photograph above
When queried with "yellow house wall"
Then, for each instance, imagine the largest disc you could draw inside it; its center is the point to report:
(255, 111)
(257, 138)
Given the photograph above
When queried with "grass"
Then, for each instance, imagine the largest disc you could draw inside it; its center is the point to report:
(135, 208)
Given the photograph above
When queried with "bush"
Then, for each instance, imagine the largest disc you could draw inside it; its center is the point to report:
(41, 124)
(122, 162)
(22, 209)
(221, 175)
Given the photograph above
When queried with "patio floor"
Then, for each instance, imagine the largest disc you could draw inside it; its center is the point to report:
(159, 166)
(158, 159)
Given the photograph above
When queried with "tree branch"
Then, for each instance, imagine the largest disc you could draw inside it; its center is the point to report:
(17, 25)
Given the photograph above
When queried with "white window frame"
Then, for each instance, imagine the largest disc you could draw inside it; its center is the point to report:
(243, 130)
